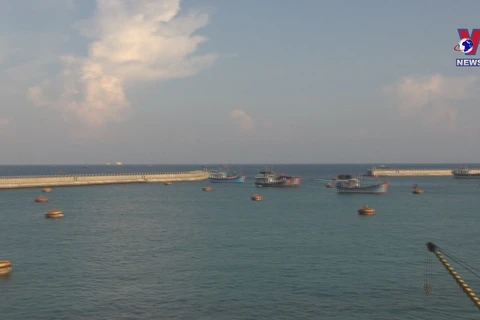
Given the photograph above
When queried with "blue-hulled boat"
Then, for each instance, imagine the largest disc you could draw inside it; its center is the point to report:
(355, 185)
(226, 176)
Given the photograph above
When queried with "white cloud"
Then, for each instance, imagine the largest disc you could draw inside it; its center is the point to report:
(433, 99)
(132, 40)
(242, 121)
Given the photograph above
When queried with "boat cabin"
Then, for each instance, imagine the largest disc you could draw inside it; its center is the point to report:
(350, 183)
(270, 177)
(218, 174)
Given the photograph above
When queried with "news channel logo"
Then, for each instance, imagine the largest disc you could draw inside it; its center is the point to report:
(468, 45)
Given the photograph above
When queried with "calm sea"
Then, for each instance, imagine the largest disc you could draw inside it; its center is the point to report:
(150, 251)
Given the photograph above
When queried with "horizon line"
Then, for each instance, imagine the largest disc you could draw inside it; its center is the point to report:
(251, 163)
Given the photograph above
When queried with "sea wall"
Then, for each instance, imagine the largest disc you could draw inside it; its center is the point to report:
(12, 182)
(412, 172)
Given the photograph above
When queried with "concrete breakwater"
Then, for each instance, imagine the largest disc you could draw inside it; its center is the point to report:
(412, 172)
(13, 182)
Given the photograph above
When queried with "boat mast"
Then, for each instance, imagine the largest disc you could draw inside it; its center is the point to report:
(465, 288)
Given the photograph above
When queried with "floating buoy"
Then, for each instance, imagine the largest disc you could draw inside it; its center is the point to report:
(207, 188)
(41, 199)
(54, 213)
(366, 210)
(329, 185)
(47, 190)
(256, 197)
(5, 267)
(167, 183)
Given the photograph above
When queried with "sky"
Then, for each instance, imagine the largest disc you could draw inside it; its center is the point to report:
(251, 81)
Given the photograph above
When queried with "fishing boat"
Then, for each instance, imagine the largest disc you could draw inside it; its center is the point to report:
(465, 173)
(269, 178)
(355, 185)
(225, 175)
(417, 189)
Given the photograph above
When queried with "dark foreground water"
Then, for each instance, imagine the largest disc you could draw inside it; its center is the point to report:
(150, 251)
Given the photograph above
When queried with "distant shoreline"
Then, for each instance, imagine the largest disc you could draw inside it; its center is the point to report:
(390, 164)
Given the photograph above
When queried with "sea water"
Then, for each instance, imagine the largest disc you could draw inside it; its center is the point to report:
(151, 251)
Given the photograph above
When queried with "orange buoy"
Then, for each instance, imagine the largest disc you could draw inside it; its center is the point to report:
(5, 267)
(54, 213)
(366, 210)
(41, 199)
(329, 185)
(207, 188)
(256, 197)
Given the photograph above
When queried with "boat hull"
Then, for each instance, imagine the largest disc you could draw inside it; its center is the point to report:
(288, 183)
(237, 179)
(467, 176)
(374, 189)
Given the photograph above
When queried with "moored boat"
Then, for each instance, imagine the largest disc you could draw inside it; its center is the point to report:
(355, 185)
(416, 189)
(227, 176)
(269, 178)
(465, 173)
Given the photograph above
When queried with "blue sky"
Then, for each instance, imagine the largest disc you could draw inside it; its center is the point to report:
(236, 82)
